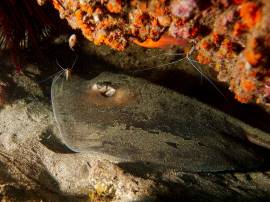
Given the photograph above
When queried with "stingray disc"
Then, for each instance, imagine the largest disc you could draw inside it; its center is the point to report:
(136, 121)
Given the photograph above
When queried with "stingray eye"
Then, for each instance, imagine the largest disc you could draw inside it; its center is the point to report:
(110, 91)
(104, 89)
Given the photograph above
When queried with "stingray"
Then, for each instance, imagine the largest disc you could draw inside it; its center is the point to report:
(137, 121)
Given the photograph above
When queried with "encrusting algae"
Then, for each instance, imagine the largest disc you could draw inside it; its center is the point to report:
(233, 36)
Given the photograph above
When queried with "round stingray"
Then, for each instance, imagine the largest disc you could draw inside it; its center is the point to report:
(146, 123)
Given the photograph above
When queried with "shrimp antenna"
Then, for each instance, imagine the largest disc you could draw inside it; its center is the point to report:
(75, 61)
(207, 78)
(51, 76)
(200, 70)
(57, 62)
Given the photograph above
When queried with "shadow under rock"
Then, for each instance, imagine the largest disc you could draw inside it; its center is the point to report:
(7, 74)
(192, 86)
(201, 187)
(188, 194)
(51, 142)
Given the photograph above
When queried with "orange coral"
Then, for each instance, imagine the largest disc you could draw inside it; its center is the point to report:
(205, 45)
(141, 5)
(194, 32)
(221, 36)
(247, 85)
(216, 38)
(250, 14)
(239, 28)
(158, 8)
(227, 44)
(114, 6)
(100, 37)
(164, 20)
(56, 4)
(252, 74)
(203, 59)
(242, 98)
(253, 57)
(225, 50)
(87, 8)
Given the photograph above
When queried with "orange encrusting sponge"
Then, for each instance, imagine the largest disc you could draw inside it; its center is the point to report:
(250, 14)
